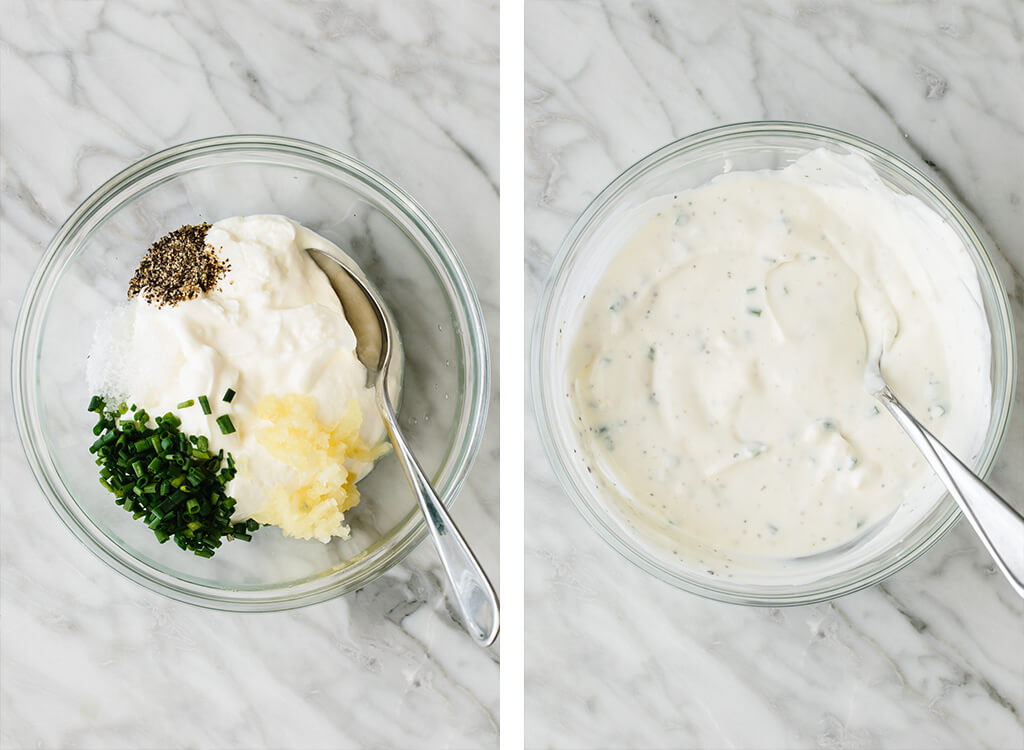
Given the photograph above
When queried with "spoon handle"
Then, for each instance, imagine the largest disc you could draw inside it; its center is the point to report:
(1000, 527)
(473, 592)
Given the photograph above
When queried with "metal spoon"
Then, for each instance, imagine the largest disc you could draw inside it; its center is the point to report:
(375, 339)
(1000, 527)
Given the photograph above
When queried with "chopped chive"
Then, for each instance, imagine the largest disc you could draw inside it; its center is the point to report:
(96, 404)
(186, 404)
(204, 404)
(754, 311)
(168, 479)
(228, 395)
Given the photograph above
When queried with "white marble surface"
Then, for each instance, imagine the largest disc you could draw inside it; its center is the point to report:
(90, 660)
(934, 657)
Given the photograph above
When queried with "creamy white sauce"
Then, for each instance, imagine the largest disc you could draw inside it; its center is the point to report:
(273, 327)
(717, 375)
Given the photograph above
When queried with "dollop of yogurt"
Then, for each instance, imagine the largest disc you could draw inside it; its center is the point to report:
(273, 327)
(719, 364)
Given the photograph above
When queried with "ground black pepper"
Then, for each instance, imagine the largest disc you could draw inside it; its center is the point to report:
(178, 267)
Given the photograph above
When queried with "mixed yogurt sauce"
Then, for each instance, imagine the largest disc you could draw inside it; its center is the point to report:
(717, 372)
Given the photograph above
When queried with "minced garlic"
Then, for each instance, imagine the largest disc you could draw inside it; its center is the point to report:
(291, 433)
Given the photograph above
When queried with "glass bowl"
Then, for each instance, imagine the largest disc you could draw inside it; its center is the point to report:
(85, 272)
(688, 163)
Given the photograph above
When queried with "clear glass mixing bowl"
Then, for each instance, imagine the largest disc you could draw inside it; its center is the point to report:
(85, 272)
(689, 163)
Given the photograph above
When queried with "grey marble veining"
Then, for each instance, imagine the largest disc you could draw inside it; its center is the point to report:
(91, 660)
(933, 657)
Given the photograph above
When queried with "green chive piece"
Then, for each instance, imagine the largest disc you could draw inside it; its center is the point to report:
(204, 404)
(225, 424)
(229, 394)
(96, 404)
(186, 404)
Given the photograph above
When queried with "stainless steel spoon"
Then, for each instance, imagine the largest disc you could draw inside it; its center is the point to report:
(1000, 527)
(375, 339)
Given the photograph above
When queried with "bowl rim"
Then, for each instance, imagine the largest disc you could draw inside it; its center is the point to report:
(558, 458)
(31, 316)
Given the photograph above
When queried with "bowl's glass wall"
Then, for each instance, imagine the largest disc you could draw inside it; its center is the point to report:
(445, 384)
(596, 237)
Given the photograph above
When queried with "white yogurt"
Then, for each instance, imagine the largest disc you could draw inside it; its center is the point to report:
(717, 374)
(273, 327)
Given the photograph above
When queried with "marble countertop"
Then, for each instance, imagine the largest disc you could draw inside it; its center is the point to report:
(91, 660)
(933, 657)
